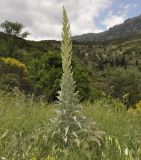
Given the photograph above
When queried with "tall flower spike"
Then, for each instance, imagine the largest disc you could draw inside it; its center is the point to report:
(67, 96)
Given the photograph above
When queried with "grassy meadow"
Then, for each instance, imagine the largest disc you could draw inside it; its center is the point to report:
(24, 128)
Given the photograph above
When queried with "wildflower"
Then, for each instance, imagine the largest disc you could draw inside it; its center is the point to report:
(126, 151)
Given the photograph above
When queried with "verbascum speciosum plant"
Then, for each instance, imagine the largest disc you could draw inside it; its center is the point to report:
(67, 96)
(71, 128)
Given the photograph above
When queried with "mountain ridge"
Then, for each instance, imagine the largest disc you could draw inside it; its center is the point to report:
(128, 27)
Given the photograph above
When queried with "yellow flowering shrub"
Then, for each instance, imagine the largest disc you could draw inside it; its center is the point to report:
(138, 106)
(13, 65)
(135, 108)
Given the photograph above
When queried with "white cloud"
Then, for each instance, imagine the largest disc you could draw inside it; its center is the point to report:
(112, 20)
(43, 18)
(119, 17)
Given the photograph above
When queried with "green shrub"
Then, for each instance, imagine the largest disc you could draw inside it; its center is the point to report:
(126, 85)
(9, 81)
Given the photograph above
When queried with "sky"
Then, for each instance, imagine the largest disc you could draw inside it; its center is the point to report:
(43, 18)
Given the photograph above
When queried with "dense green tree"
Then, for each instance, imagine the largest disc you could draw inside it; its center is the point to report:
(117, 61)
(46, 74)
(13, 29)
(83, 83)
(123, 61)
(101, 64)
(137, 62)
(112, 62)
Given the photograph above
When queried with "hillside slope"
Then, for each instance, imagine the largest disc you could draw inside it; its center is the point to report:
(96, 65)
(129, 27)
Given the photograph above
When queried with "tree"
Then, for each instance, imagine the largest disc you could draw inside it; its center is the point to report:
(13, 29)
(101, 64)
(111, 62)
(117, 61)
(137, 62)
(123, 61)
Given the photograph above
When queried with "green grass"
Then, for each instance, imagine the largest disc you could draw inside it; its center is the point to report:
(121, 124)
(23, 129)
